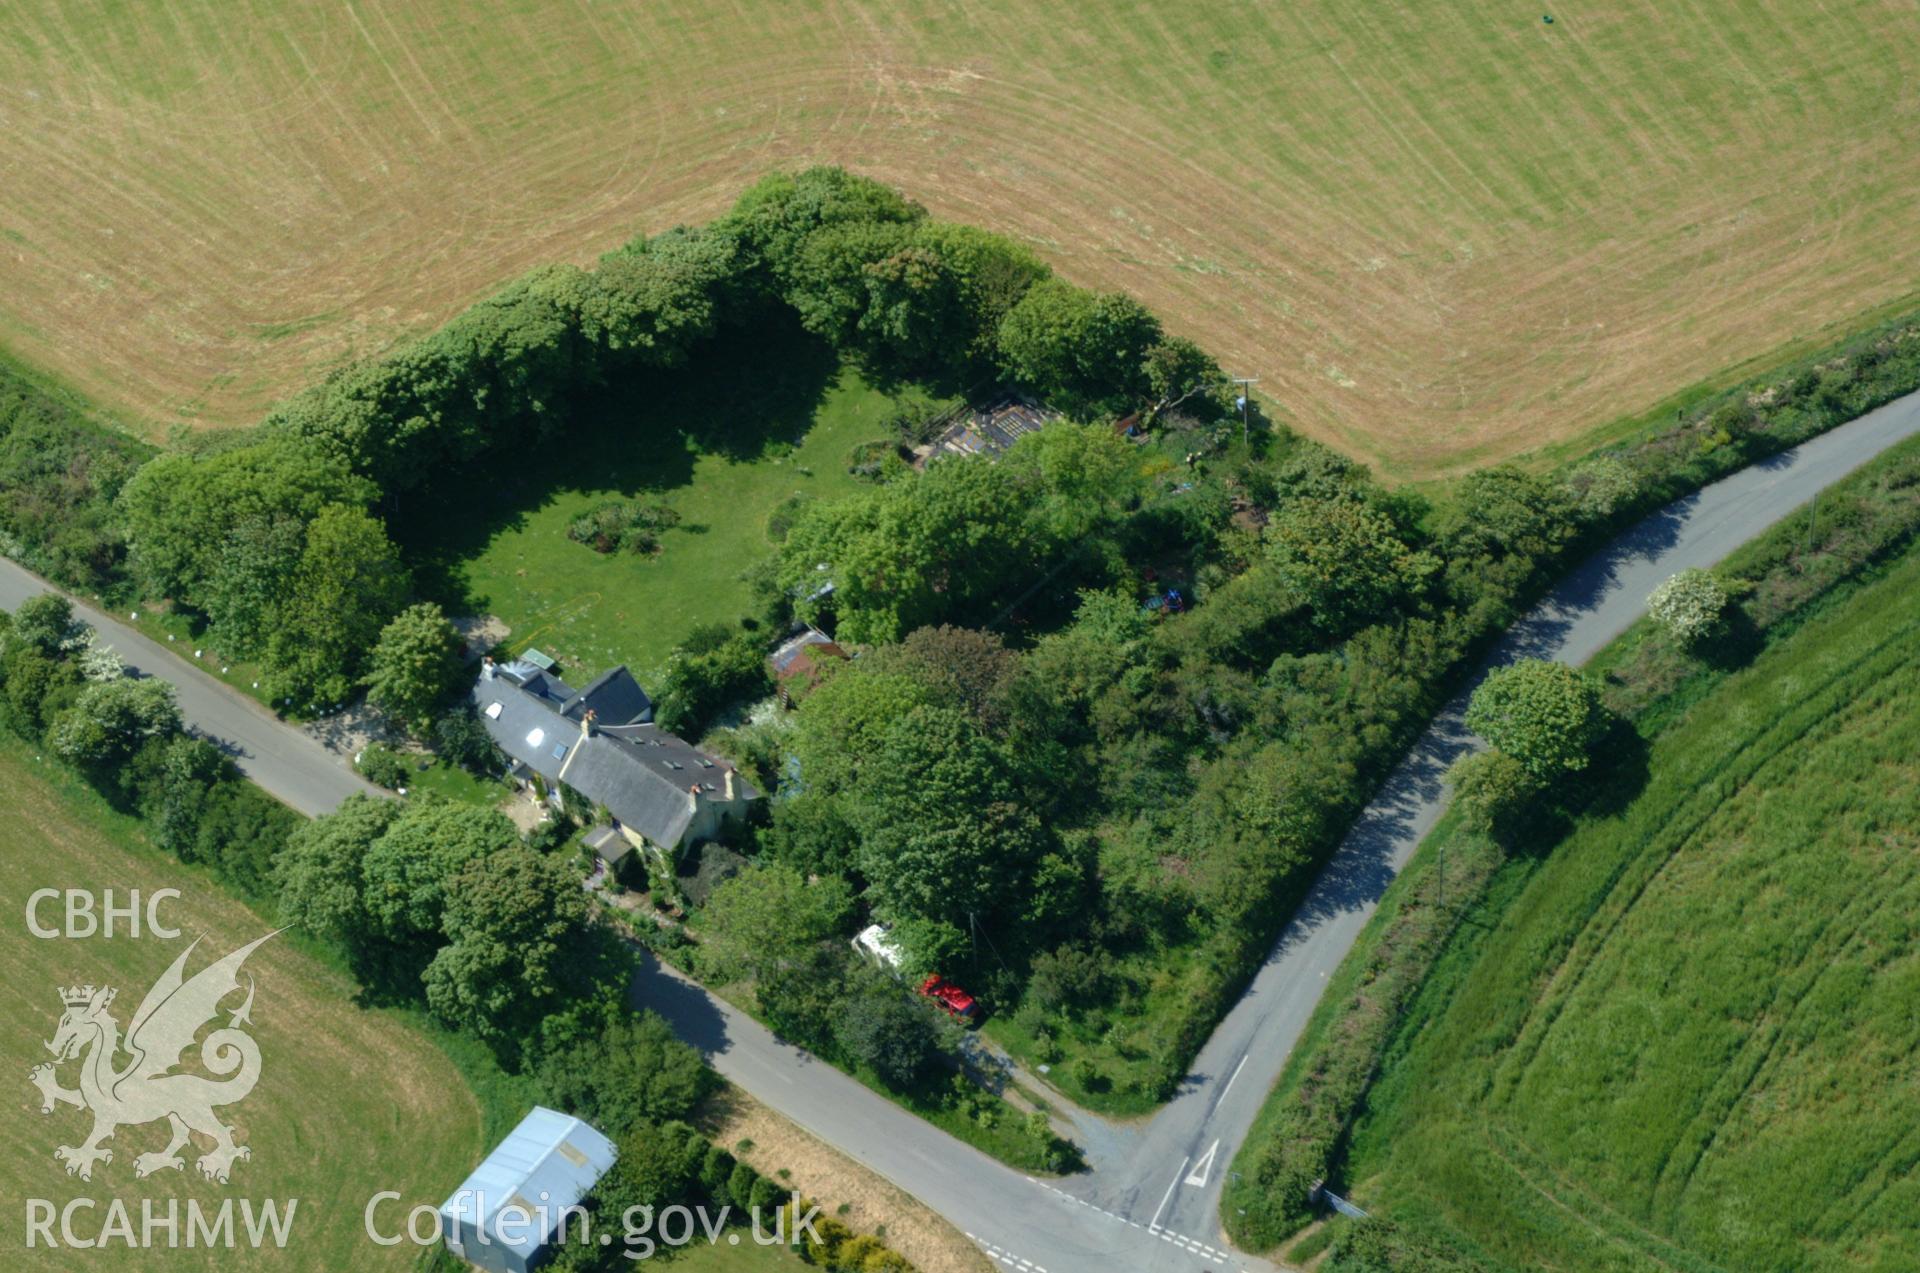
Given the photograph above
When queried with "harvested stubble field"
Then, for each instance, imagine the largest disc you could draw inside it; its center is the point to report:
(1439, 233)
(1688, 1039)
(350, 1101)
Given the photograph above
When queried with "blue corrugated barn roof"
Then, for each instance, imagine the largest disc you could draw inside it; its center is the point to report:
(549, 1153)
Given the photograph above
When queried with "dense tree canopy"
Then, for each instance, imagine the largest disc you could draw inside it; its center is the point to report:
(112, 719)
(516, 927)
(947, 544)
(406, 871)
(617, 1069)
(1083, 350)
(320, 875)
(1347, 558)
(762, 922)
(885, 1030)
(182, 508)
(348, 581)
(944, 833)
(45, 623)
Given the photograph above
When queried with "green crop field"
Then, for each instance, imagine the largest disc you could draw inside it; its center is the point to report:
(350, 1101)
(1438, 233)
(1689, 1040)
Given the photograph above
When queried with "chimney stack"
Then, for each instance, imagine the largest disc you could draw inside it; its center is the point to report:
(486, 668)
(729, 785)
(693, 797)
(586, 724)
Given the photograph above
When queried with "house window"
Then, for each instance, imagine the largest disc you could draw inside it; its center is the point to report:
(536, 737)
(559, 751)
(493, 711)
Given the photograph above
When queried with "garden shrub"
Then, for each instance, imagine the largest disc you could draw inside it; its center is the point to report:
(382, 766)
(876, 460)
(1690, 606)
(629, 526)
(1493, 791)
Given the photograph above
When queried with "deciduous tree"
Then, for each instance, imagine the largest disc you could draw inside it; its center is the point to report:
(348, 584)
(943, 832)
(514, 921)
(1545, 715)
(1346, 558)
(415, 665)
(113, 719)
(408, 868)
(1689, 606)
(320, 874)
(182, 507)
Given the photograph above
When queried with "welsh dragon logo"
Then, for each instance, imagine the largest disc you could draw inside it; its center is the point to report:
(142, 1090)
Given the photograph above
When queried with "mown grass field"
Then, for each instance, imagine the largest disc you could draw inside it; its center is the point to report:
(1686, 1039)
(349, 1101)
(1439, 233)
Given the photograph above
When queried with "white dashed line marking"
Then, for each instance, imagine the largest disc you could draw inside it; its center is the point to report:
(1180, 1240)
(1005, 1256)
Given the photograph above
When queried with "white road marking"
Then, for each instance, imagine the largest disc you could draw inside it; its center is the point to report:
(1005, 1256)
(1165, 1235)
(1154, 1223)
(1229, 1086)
(1198, 1176)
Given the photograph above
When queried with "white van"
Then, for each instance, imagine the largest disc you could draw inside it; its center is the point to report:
(872, 944)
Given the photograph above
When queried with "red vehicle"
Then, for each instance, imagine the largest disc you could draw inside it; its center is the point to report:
(956, 1002)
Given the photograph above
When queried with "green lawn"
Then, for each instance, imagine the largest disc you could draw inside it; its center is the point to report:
(452, 782)
(765, 415)
(1686, 1038)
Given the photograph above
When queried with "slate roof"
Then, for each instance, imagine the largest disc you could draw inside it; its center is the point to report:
(614, 698)
(524, 718)
(548, 1153)
(642, 774)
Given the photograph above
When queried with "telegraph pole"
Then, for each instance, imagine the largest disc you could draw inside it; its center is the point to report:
(1242, 402)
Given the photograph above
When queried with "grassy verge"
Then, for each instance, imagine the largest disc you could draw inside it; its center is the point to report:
(1804, 568)
(184, 635)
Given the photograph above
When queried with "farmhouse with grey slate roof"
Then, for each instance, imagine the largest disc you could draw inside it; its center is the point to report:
(662, 792)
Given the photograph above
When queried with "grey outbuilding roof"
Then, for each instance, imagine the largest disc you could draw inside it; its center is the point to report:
(544, 1166)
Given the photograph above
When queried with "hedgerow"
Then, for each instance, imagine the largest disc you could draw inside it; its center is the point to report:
(1790, 571)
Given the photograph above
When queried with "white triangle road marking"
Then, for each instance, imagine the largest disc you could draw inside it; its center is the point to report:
(1198, 1176)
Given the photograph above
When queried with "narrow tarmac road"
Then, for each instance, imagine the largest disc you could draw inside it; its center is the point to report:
(275, 754)
(1150, 1199)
